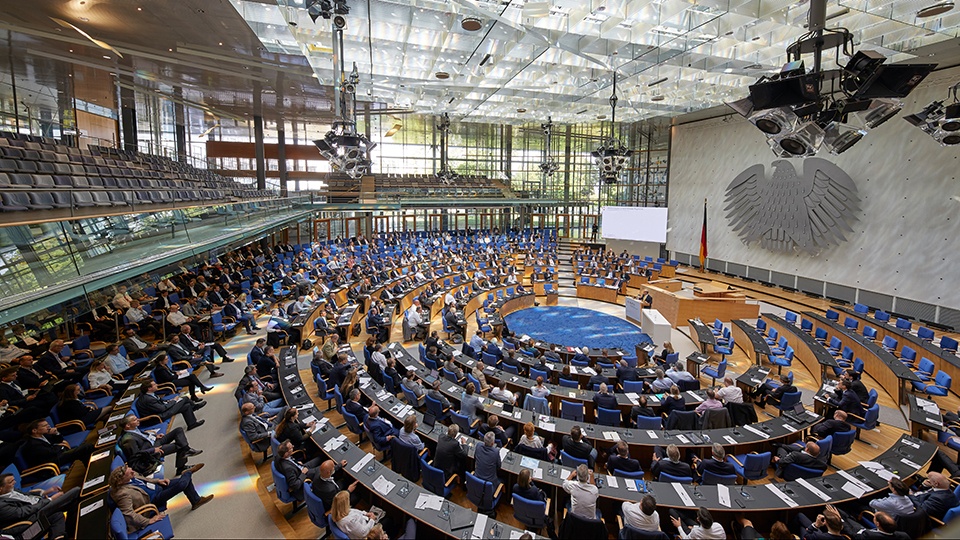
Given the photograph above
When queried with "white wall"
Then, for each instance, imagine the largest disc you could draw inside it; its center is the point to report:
(906, 242)
(643, 249)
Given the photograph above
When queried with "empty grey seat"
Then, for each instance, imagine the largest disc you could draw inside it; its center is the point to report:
(62, 168)
(100, 198)
(15, 201)
(42, 200)
(43, 181)
(4, 179)
(82, 199)
(20, 179)
(116, 198)
(62, 199)
(80, 182)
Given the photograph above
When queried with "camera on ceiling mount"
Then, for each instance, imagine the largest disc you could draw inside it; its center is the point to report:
(327, 9)
(340, 22)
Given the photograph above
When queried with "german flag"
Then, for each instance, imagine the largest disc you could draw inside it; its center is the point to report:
(703, 237)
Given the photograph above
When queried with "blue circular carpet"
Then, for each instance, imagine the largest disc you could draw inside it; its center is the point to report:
(575, 327)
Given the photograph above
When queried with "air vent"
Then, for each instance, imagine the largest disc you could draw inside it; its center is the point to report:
(936, 9)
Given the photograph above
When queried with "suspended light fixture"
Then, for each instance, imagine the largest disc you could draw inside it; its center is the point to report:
(549, 165)
(612, 155)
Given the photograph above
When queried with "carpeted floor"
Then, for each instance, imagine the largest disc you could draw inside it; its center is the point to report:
(575, 327)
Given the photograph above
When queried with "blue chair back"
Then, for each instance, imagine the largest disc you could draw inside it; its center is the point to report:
(463, 422)
(870, 418)
(843, 442)
(649, 422)
(608, 417)
(633, 387)
(283, 488)
(794, 471)
(860, 308)
(947, 343)
(434, 480)
(534, 373)
(634, 474)
(925, 333)
(569, 461)
(536, 405)
(336, 532)
(789, 400)
(881, 315)
(353, 423)
(664, 477)
(926, 366)
(481, 493)
(833, 315)
(871, 397)
(434, 407)
(754, 465)
(532, 514)
(889, 343)
(904, 324)
(806, 325)
(569, 384)
(826, 448)
(710, 479)
(820, 334)
(851, 323)
(791, 317)
(908, 354)
(315, 509)
(571, 411)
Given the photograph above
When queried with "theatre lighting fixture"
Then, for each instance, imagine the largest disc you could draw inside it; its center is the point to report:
(445, 175)
(941, 123)
(805, 110)
(549, 165)
(327, 9)
(347, 151)
(612, 155)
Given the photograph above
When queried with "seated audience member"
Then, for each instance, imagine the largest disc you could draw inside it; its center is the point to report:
(469, 403)
(621, 460)
(331, 480)
(43, 446)
(897, 503)
(778, 531)
(672, 465)
(478, 374)
(662, 383)
(710, 403)
(583, 493)
(937, 497)
(539, 390)
(17, 505)
(574, 445)
(254, 396)
(435, 394)
(849, 402)
(642, 515)
(178, 353)
(837, 424)
(702, 526)
(353, 405)
(257, 429)
(409, 433)
(767, 391)
(184, 377)
(886, 529)
(450, 453)
(603, 398)
(292, 430)
(504, 435)
(412, 384)
(294, 471)
(354, 523)
(131, 491)
(100, 377)
(525, 487)
(500, 393)
(120, 365)
(677, 373)
(133, 440)
(150, 403)
(827, 526)
(269, 389)
(717, 464)
(71, 408)
(136, 346)
(730, 393)
(808, 457)
(487, 461)
(380, 430)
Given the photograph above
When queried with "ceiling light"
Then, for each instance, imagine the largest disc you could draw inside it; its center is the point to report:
(107, 57)
(471, 24)
(442, 75)
(84, 19)
(657, 98)
(936, 9)
(521, 110)
(139, 9)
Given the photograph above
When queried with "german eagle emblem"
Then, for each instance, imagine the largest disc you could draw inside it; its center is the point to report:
(790, 212)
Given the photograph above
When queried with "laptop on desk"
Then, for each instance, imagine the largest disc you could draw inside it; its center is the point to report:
(794, 415)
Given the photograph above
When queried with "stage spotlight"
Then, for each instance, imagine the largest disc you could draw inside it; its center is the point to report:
(804, 141)
(839, 138)
(931, 120)
(881, 110)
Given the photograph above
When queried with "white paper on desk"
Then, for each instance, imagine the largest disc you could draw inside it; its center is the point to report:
(783, 496)
(92, 482)
(588, 371)
(910, 443)
(127, 399)
(652, 434)
(729, 439)
(538, 474)
(503, 453)
(383, 486)
(481, 399)
(909, 463)
(427, 501)
(631, 486)
(934, 421)
(612, 481)
(480, 527)
(653, 399)
(756, 431)
(99, 456)
(116, 417)
(611, 436)
(757, 381)
(104, 440)
(694, 396)
(517, 414)
(515, 535)
(823, 496)
(789, 428)
(360, 464)
(296, 390)
(573, 370)
(854, 490)
(549, 426)
(309, 419)
(852, 479)
(290, 376)
(684, 496)
(91, 507)
(723, 493)
(683, 439)
(549, 366)
(452, 389)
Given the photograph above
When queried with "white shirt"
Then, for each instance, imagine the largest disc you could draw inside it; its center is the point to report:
(503, 395)
(635, 518)
(413, 317)
(356, 524)
(730, 394)
(477, 343)
(379, 359)
(716, 531)
(583, 498)
(176, 318)
(99, 378)
(136, 314)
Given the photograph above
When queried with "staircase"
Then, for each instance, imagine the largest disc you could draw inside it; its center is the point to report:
(505, 189)
(566, 280)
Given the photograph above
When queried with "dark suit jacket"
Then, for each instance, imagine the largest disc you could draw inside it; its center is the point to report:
(38, 451)
(450, 456)
(622, 464)
(294, 476)
(626, 374)
(48, 362)
(148, 404)
(180, 353)
(380, 429)
(578, 449)
(256, 432)
(163, 374)
(326, 490)
(849, 403)
(355, 409)
(802, 459)
(935, 503)
(869, 534)
(27, 379)
(607, 401)
(829, 427)
(596, 379)
(13, 397)
(295, 432)
(715, 467)
(12, 511)
(499, 433)
(132, 443)
(783, 389)
(679, 469)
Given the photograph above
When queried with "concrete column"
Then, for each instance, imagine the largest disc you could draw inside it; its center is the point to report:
(282, 158)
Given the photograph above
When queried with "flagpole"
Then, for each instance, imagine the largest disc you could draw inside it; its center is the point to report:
(703, 237)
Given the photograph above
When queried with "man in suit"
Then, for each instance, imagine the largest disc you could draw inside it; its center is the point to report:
(53, 364)
(340, 370)
(34, 404)
(150, 403)
(179, 353)
(642, 410)
(256, 429)
(886, 529)
(574, 445)
(254, 396)
(330, 481)
(43, 446)
(849, 402)
(937, 498)
(131, 491)
(493, 349)
(411, 383)
(552, 353)
(671, 465)
(605, 399)
(487, 460)
(828, 526)
(134, 440)
(450, 453)
(854, 383)
(268, 363)
(250, 376)
(836, 424)
(197, 347)
(453, 322)
(295, 472)
(136, 346)
(29, 377)
(776, 394)
(621, 460)
(435, 393)
(503, 436)
(354, 407)
(808, 457)
(16, 506)
(625, 372)
(380, 430)
(717, 464)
